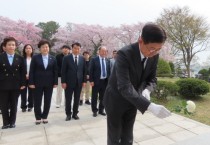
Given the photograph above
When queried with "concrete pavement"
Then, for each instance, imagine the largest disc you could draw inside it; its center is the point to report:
(148, 130)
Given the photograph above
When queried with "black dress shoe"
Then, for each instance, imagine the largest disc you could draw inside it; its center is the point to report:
(45, 121)
(29, 109)
(23, 110)
(38, 122)
(94, 114)
(87, 102)
(102, 113)
(68, 118)
(5, 127)
(75, 117)
(12, 126)
(80, 102)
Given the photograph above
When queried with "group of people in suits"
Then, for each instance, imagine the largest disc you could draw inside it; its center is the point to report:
(123, 85)
(37, 75)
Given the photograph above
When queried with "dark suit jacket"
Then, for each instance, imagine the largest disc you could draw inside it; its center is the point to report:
(41, 77)
(127, 81)
(12, 77)
(59, 59)
(95, 70)
(72, 74)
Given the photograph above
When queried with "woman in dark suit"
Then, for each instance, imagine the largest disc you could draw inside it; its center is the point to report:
(12, 80)
(27, 54)
(43, 77)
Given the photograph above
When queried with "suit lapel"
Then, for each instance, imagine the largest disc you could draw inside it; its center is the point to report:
(98, 63)
(80, 60)
(15, 60)
(137, 61)
(49, 61)
(41, 61)
(6, 61)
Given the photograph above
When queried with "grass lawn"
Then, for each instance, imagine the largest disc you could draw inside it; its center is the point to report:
(202, 113)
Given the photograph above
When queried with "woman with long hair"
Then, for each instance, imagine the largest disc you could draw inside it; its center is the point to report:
(27, 54)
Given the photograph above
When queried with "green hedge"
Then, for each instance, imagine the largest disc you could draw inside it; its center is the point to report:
(190, 87)
(165, 88)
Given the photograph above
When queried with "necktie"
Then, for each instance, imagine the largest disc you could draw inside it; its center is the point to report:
(75, 60)
(103, 68)
(143, 61)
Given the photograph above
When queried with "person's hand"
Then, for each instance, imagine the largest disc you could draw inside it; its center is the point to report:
(27, 77)
(83, 84)
(146, 94)
(64, 85)
(55, 86)
(22, 87)
(159, 110)
(92, 84)
(32, 86)
(88, 77)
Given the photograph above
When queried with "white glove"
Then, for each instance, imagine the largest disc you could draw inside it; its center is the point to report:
(146, 94)
(159, 110)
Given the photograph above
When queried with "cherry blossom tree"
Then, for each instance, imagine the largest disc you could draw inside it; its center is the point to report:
(21, 30)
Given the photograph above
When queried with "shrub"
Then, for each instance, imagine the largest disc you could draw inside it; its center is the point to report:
(190, 87)
(165, 88)
(163, 68)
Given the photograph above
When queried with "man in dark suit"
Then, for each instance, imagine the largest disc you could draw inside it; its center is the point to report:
(65, 51)
(73, 77)
(99, 74)
(12, 80)
(130, 84)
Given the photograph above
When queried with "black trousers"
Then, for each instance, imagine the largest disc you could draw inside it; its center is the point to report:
(39, 93)
(68, 96)
(24, 97)
(98, 89)
(9, 101)
(120, 126)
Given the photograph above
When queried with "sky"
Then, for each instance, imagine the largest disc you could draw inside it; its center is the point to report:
(102, 12)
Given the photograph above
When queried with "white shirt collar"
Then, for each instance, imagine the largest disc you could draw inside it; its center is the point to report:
(45, 56)
(8, 55)
(101, 57)
(142, 56)
(75, 56)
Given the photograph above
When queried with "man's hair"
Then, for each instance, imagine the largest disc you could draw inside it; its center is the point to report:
(85, 52)
(7, 39)
(152, 33)
(77, 44)
(65, 46)
(43, 42)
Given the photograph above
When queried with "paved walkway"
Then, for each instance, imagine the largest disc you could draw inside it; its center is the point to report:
(149, 130)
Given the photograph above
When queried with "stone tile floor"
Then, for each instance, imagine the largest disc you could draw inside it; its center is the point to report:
(148, 130)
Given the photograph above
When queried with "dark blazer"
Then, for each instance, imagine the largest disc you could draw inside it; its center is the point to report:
(59, 59)
(41, 77)
(95, 70)
(12, 77)
(127, 80)
(72, 74)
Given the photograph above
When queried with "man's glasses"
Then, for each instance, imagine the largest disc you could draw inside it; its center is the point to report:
(152, 50)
